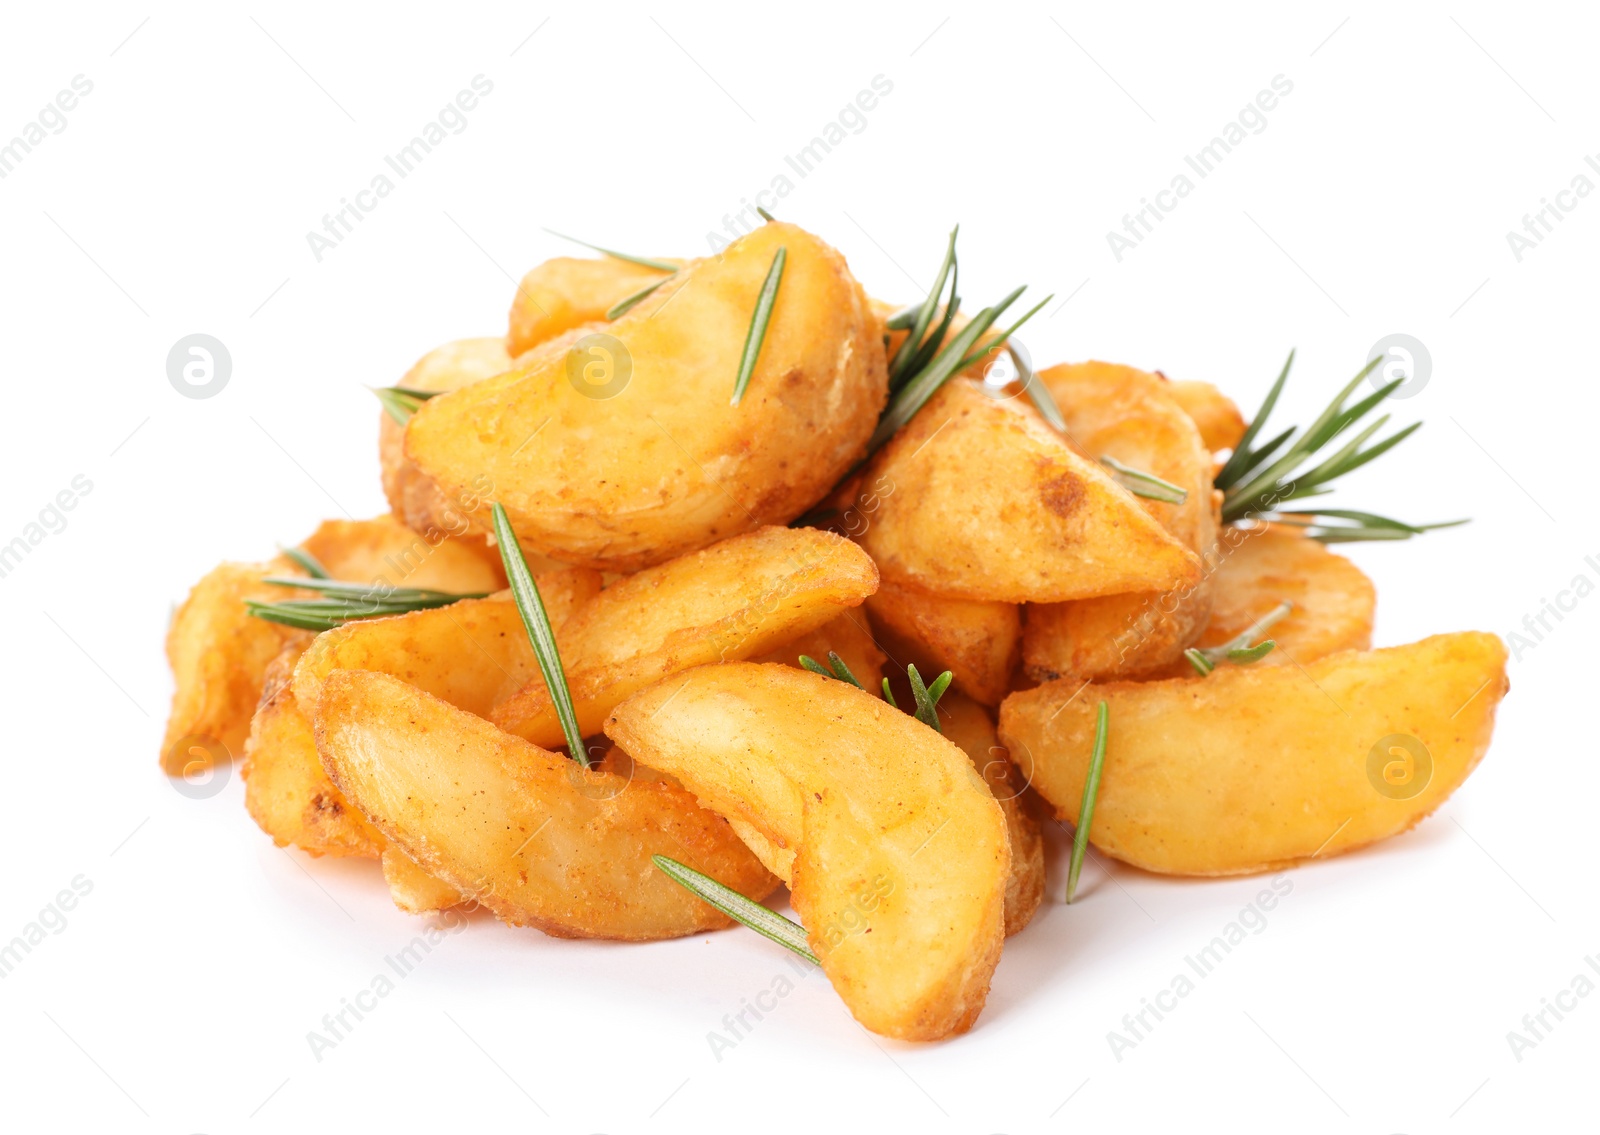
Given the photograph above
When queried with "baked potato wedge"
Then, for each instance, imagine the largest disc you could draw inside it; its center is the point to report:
(969, 725)
(413, 498)
(566, 292)
(1255, 768)
(848, 635)
(979, 641)
(473, 654)
(1213, 413)
(1042, 523)
(847, 794)
(659, 462)
(531, 835)
(1131, 417)
(735, 599)
(285, 789)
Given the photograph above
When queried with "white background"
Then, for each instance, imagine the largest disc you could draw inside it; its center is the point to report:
(1377, 200)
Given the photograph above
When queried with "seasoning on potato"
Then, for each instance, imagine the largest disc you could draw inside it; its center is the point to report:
(765, 557)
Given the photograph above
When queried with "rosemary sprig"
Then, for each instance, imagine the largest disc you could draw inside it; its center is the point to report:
(1239, 650)
(642, 261)
(836, 668)
(402, 401)
(343, 601)
(765, 216)
(730, 902)
(758, 323)
(1091, 793)
(627, 302)
(531, 607)
(926, 697)
(306, 561)
(1142, 484)
(1258, 480)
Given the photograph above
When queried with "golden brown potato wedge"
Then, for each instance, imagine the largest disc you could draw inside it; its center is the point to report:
(847, 635)
(382, 550)
(1130, 416)
(1213, 412)
(413, 889)
(1256, 768)
(663, 463)
(731, 601)
(1333, 600)
(473, 654)
(969, 725)
(285, 790)
(895, 850)
(977, 640)
(219, 656)
(563, 293)
(989, 502)
(531, 835)
(410, 494)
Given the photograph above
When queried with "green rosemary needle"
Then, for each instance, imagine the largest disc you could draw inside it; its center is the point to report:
(927, 697)
(306, 561)
(627, 302)
(642, 261)
(1259, 480)
(731, 903)
(1091, 793)
(1239, 650)
(341, 601)
(531, 607)
(836, 668)
(1142, 484)
(758, 324)
(402, 401)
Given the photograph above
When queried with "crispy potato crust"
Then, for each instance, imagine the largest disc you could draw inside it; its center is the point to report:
(1257, 768)
(1213, 413)
(969, 725)
(285, 790)
(566, 292)
(665, 464)
(1040, 523)
(899, 852)
(733, 600)
(1131, 416)
(531, 835)
(979, 641)
(848, 635)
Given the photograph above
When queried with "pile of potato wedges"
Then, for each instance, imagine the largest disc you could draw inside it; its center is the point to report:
(690, 548)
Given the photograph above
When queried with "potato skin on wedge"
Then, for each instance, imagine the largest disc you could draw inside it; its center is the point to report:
(894, 848)
(1130, 415)
(1256, 768)
(664, 463)
(969, 725)
(531, 835)
(989, 502)
(979, 641)
(568, 291)
(735, 599)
